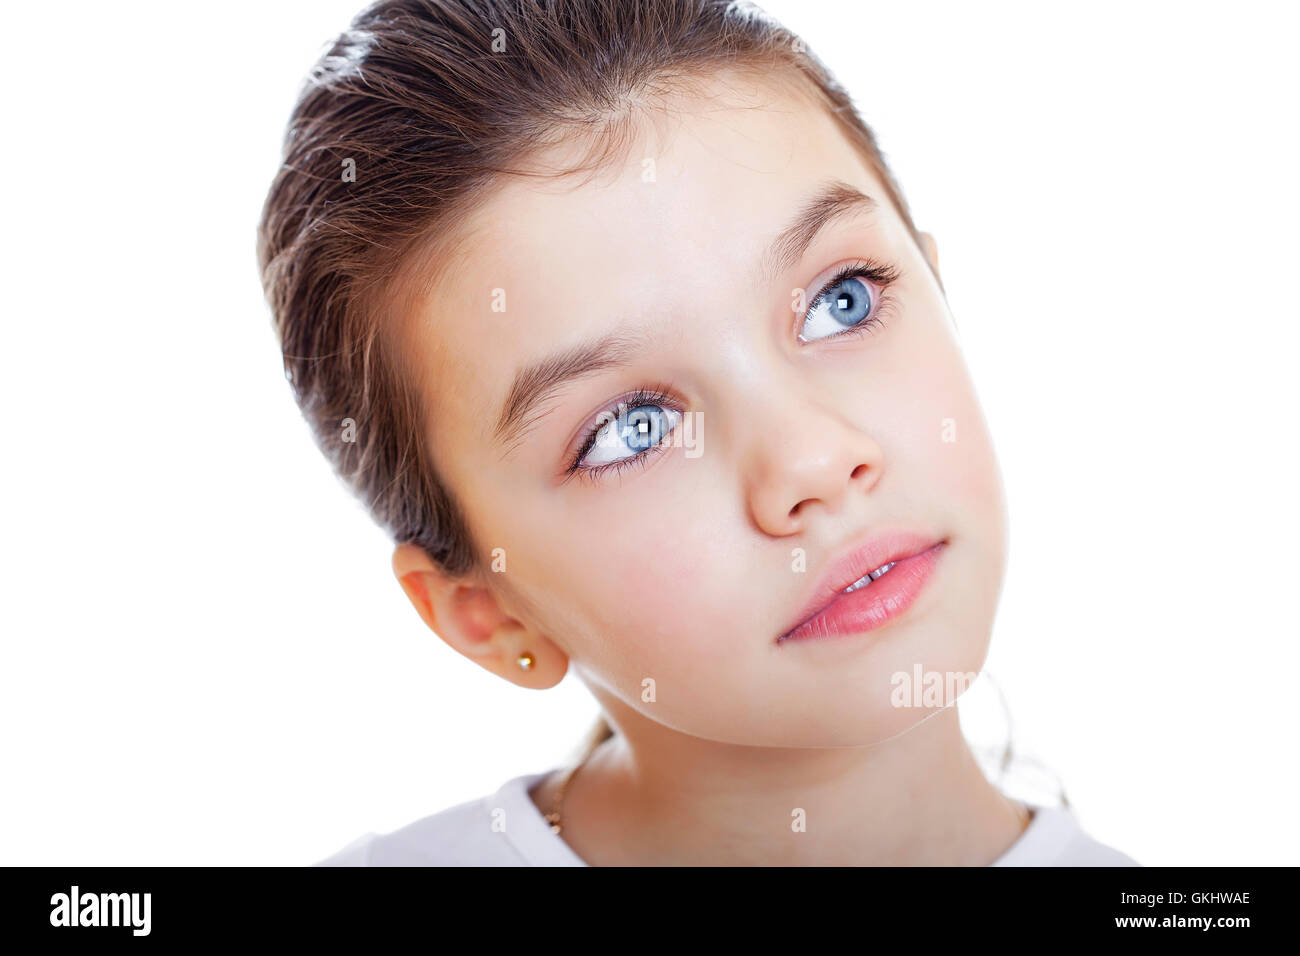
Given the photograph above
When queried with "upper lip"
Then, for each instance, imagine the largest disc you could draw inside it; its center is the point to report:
(859, 560)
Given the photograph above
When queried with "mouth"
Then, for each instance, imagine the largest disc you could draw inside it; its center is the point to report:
(867, 578)
(849, 600)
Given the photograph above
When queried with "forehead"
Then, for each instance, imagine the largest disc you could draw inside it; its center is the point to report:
(654, 242)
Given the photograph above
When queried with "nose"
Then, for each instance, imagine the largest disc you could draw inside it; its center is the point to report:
(813, 462)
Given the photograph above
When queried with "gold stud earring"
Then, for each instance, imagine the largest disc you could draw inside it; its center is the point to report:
(526, 661)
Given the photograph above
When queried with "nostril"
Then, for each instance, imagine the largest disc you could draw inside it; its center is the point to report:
(859, 471)
(798, 508)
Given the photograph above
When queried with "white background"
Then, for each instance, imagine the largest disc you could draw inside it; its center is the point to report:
(206, 659)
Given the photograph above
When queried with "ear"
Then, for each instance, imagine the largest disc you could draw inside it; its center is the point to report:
(931, 250)
(467, 615)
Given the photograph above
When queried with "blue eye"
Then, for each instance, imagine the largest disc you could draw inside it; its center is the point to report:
(636, 429)
(626, 433)
(847, 303)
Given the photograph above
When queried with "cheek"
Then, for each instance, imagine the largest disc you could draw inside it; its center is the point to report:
(628, 580)
(670, 600)
(666, 593)
(948, 445)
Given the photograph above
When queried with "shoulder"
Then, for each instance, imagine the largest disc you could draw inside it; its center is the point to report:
(501, 829)
(356, 853)
(1055, 838)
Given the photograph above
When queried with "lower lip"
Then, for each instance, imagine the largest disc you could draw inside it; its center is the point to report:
(883, 600)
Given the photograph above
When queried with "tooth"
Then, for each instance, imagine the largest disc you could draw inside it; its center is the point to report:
(860, 583)
(881, 570)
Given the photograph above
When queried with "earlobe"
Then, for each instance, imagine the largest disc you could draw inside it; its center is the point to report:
(469, 618)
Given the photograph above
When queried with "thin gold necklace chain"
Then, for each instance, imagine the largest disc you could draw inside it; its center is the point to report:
(554, 818)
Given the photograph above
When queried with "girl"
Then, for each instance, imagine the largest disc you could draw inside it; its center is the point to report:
(615, 317)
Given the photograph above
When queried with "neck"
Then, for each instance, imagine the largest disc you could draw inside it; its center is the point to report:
(653, 796)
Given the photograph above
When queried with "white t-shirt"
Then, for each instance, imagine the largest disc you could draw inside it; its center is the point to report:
(465, 835)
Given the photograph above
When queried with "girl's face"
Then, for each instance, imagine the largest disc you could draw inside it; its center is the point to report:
(787, 439)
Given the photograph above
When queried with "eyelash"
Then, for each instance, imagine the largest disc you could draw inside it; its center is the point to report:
(884, 274)
(881, 273)
(654, 395)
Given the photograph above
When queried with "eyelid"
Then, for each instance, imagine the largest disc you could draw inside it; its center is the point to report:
(878, 271)
(595, 473)
(657, 393)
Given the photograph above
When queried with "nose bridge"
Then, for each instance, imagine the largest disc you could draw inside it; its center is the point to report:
(801, 452)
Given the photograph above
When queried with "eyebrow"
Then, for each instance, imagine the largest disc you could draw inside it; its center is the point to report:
(834, 200)
(534, 383)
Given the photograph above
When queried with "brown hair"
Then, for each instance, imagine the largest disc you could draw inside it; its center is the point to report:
(405, 122)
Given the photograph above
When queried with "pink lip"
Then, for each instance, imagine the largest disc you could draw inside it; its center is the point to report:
(829, 612)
